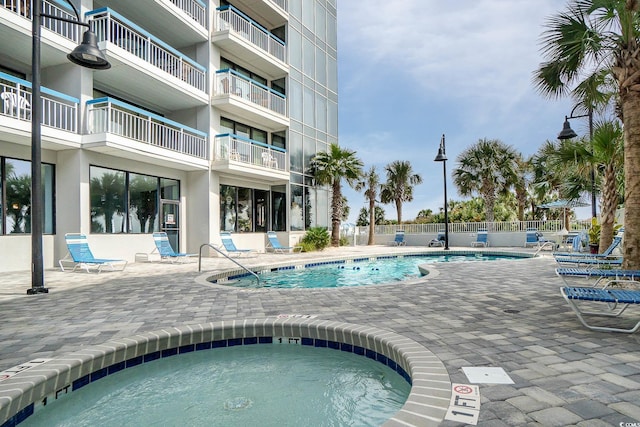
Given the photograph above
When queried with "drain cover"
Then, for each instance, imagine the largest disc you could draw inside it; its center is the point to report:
(511, 310)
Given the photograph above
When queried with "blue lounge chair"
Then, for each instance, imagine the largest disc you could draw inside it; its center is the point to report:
(274, 245)
(616, 300)
(439, 240)
(399, 239)
(481, 239)
(80, 255)
(535, 238)
(230, 247)
(607, 253)
(164, 248)
(602, 276)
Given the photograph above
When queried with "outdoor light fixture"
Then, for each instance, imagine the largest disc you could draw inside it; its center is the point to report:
(442, 157)
(87, 55)
(568, 133)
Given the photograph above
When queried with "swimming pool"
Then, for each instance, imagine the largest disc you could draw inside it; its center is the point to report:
(355, 272)
(38, 384)
(277, 384)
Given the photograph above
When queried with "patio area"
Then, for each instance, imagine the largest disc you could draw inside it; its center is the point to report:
(507, 314)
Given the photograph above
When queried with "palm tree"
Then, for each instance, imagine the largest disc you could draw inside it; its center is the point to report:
(521, 185)
(487, 168)
(399, 185)
(605, 154)
(330, 168)
(602, 37)
(370, 185)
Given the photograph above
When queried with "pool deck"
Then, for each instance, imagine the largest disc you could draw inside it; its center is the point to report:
(563, 373)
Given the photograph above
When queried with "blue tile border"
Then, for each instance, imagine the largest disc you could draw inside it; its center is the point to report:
(417, 365)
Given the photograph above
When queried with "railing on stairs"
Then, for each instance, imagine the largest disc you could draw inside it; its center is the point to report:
(227, 257)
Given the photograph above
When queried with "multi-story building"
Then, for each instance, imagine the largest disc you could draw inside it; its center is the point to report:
(206, 121)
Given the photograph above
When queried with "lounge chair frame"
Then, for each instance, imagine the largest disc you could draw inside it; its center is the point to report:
(230, 247)
(79, 255)
(616, 300)
(482, 239)
(399, 239)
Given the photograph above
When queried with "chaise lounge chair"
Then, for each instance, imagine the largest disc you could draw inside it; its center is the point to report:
(231, 248)
(399, 239)
(80, 255)
(535, 238)
(607, 253)
(616, 300)
(602, 276)
(481, 239)
(164, 248)
(274, 245)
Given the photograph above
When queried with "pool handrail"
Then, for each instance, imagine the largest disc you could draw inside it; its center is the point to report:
(215, 248)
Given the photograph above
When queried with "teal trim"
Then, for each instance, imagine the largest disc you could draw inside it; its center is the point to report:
(63, 5)
(10, 78)
(146, 34)
(242, 138)
(146, 113)
(253, 22)
(243, 77)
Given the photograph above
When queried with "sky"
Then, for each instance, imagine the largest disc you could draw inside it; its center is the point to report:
(412, 70)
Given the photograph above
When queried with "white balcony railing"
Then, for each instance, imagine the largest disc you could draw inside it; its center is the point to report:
(228, 17)
(59, 111)
(229, 82)
(195, 9)
(235, 148)
(107, 115)
(65, 29)
(110, 26)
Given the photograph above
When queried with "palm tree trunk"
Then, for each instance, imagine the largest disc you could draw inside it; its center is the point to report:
(631, 113)
(609, 204)
(399, 210)
(336, 213)
(372, 221)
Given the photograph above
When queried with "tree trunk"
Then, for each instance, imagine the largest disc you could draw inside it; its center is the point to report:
(372, 222)
(609, 205)
(631, 113)
(399, 210)
(336, 213)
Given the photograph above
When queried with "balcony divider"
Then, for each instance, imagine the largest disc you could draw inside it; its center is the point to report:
(59, 111)
(110, 26)
(107, 115)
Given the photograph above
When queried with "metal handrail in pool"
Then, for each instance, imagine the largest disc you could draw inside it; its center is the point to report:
(227, 257)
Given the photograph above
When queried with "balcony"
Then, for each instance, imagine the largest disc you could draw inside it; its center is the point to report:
(145, 69)
(244, 97)
(59, 115)
(123, 130)
(161, 18)
(58, 38)
(236, 155)
(245, 40)
(274, 13)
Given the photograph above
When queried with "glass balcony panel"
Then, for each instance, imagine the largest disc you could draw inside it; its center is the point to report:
(109, 116)
(59, 111)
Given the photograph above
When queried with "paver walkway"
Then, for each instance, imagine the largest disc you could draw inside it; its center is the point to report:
(505, 314)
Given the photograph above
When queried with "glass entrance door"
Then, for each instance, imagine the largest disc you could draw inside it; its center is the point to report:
(171, 222)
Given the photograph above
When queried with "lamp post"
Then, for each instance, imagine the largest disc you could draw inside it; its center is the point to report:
(442, 157)
(568, 133)
(87, 55)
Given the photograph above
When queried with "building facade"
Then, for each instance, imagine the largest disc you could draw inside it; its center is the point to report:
(205, 122)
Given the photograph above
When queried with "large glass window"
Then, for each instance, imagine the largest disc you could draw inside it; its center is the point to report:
(127, 202)
(247, 210)
(15, 196)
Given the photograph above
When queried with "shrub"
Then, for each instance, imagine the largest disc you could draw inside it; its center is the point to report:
(344, 241)
(317, 238)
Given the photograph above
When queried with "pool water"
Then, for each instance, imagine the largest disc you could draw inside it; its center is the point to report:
(265, 384)
(356, 273)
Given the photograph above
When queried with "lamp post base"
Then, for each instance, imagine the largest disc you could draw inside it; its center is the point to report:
(39, 290)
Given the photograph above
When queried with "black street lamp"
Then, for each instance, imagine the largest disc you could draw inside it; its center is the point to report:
(87, 55)
(568, 133)
(442, 157)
